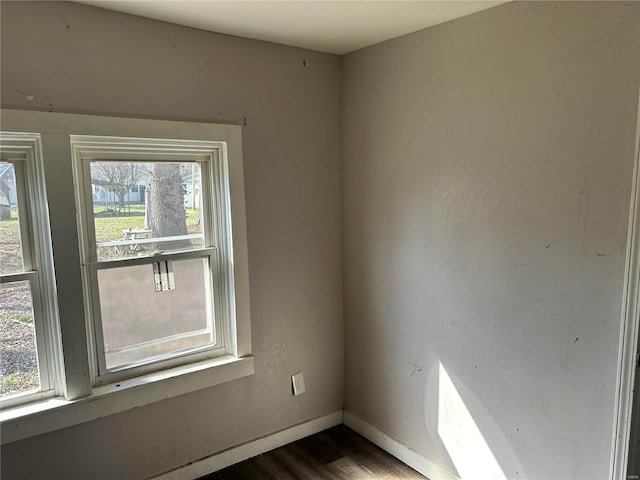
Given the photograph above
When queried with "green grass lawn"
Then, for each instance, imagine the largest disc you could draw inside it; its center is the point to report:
(109, 226)
(10, 249)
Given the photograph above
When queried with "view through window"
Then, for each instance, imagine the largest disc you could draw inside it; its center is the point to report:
(141, 208)
(160, 306)
(18, 352)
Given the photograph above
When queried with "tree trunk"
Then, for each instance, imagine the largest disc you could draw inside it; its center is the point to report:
(168, 217)
(121, 197)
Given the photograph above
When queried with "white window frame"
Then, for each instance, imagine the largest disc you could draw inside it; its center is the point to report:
(81, 394)
(23, 151)
(211, 157)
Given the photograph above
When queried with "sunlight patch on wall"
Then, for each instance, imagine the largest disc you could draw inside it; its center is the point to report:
(461, 436)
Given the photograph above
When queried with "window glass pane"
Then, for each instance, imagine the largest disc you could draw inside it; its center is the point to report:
(141, 208)
(18, 358)
(141, 321)
(10, 242)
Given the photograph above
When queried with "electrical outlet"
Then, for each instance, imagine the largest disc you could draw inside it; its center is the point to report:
(297, 382)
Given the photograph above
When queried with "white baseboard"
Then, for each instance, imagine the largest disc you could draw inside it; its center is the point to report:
(234, 455)
(429, 469)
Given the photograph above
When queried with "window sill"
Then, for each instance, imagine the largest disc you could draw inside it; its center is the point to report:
(48, 415)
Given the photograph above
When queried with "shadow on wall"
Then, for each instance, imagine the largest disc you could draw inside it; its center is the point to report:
(447, 414)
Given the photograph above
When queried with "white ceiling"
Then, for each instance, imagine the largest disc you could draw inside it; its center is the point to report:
(328, 26)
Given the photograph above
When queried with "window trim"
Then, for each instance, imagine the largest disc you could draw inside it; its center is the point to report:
(51, 414)
(83, 402)
(216, 238)
(24, 151)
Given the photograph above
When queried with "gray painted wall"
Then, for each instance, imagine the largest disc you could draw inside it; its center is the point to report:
(487, 171)
(82, 59)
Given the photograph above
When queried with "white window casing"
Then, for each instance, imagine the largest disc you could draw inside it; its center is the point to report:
(23, 151)
(218, 247)
(81, 386)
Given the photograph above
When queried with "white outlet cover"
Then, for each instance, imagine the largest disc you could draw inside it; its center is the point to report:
(297, 381)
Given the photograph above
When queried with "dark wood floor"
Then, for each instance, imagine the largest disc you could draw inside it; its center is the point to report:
(335, 454)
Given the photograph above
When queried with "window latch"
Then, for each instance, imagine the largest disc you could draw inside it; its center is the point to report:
(163, 276)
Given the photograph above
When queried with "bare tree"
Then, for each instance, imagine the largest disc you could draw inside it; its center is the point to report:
(168, 216)
(118, 177)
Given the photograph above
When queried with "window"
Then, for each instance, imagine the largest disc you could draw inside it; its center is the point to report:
(27, 310)
(150, 296)
(154, 267)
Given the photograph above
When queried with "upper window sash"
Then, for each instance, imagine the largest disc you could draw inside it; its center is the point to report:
(112, 190)
(87, 149)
